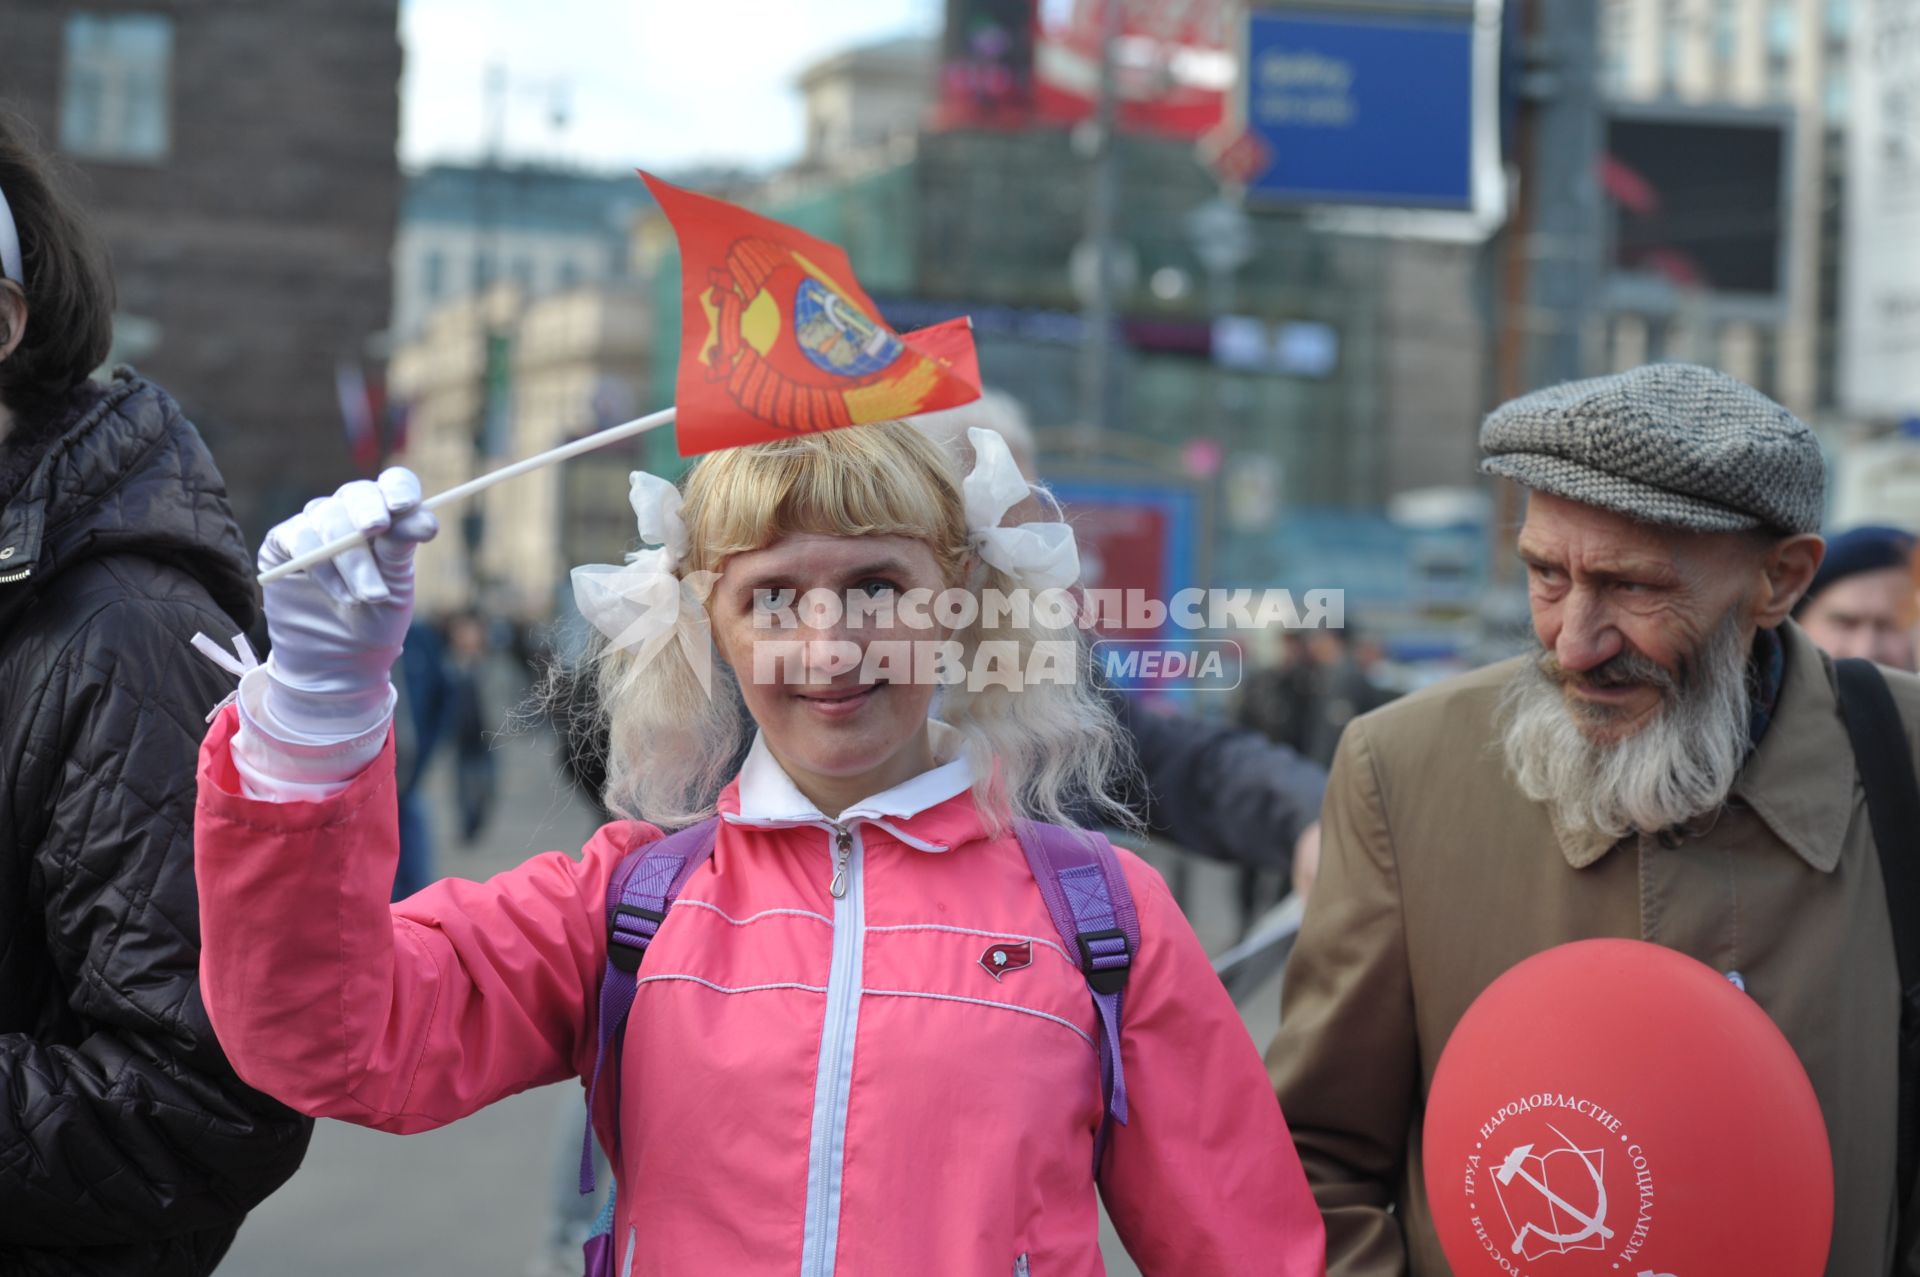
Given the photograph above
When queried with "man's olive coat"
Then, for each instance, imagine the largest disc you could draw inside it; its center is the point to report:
(1438, 876)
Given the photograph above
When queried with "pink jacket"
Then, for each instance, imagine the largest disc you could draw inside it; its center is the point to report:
(810, 1083)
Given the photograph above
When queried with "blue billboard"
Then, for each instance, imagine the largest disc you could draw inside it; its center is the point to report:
(1365, 109)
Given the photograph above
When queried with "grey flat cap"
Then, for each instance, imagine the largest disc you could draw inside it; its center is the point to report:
(1672, 444)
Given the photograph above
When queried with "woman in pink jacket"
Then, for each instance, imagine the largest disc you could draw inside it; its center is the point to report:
(857, 1044)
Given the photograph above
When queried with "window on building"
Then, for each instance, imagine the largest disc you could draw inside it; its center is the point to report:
(1779, 78)
(1780, 31)
(1767, 362)
(1780, 24)
(1673, 35)
(433, 272)
(1616, 21)
(569, 273)
(1613, 71)
(1834, 94)
(1670, 65)
(115, 93)
(1839, 21)
(1726, 33)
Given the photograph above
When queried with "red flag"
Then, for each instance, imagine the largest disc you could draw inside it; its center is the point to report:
(777, 338)
(357, 414)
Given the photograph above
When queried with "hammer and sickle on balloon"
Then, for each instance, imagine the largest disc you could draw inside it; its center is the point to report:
(1515, 1167)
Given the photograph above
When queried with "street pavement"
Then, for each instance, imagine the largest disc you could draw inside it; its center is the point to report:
(473, 1198)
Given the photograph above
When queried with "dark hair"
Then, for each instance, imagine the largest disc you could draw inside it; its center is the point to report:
(68, 285)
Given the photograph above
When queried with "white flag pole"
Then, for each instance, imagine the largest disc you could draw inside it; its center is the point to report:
(612, 434)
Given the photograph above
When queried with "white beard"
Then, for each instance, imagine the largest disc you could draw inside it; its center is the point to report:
(1680, 766)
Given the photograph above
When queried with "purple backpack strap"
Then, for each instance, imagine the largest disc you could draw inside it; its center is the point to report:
(644, 886)
(1085, 891)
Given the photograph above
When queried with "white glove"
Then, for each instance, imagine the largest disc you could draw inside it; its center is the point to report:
(338, 626)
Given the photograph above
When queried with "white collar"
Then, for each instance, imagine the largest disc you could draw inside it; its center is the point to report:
(769, 798)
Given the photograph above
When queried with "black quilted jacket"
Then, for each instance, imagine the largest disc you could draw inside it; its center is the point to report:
(126, 1143)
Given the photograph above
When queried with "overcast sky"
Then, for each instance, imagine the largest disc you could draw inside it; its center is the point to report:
(649, 82)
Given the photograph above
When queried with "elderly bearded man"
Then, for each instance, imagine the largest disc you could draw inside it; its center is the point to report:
(1667, 765)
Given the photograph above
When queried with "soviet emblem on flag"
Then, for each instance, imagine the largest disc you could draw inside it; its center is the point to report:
(777, 337)
(1002, 958)
(794, 349)
(837, 336)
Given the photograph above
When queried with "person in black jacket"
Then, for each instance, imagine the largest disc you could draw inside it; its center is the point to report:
(127, 1146)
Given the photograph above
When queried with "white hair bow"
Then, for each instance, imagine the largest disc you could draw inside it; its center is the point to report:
(645, 603)
(1038, 556)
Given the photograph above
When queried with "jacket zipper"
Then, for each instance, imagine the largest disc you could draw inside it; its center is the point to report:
(842, 854)
(826, 1154)
(21, 575)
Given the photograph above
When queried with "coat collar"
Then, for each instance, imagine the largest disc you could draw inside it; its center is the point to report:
(125, 473)
(1799, 781)
(916, 811)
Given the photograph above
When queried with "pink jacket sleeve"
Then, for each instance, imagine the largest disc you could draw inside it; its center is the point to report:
(401, 1017)
(1203, 1180)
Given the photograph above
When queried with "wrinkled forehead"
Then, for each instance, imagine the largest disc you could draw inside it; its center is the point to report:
(1572, 533)
(1555, 522)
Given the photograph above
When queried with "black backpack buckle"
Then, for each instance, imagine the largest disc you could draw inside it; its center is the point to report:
(627, 943)
(1112, 976)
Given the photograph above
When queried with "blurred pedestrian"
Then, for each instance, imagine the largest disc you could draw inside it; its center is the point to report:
(1217, 789)
(420, 716)
(470, 722)
(127, 1145)
(1273, 699)
(1337, 688)
(565, 691)
(1668, 765)
(1861, 602)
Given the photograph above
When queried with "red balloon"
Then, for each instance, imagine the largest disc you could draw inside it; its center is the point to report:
(1613, 1108)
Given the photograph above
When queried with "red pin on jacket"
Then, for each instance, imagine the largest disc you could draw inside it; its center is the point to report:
(778, 338)
(1004, 957)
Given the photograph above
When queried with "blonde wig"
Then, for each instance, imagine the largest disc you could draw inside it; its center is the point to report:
(1058, 745)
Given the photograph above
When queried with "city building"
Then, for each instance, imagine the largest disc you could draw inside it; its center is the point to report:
(240, 161)
(864, 103)
(1293, 373)
(1791, 56)
(500, 376)
(464, 228)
